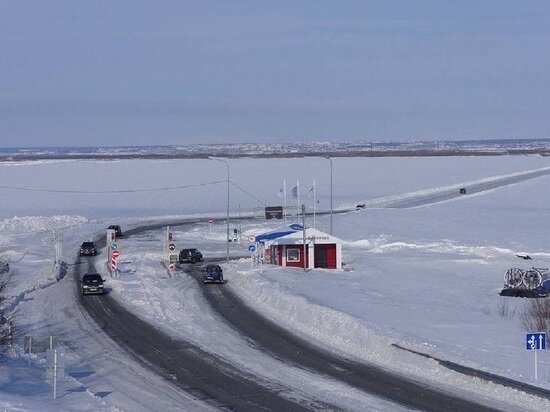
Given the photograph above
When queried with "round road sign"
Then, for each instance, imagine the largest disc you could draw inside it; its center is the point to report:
(115, 253)
(251, 238)
(252, 248)
(114, 246)
(171, 246)
(171, 266)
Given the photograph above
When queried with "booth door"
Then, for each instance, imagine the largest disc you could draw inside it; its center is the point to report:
(325, 256)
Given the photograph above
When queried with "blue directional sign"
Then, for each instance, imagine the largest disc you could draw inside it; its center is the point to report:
(535, 341)
(251, 247)
(114, 246)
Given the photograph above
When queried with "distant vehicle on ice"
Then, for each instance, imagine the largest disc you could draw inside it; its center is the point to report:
(462, 190)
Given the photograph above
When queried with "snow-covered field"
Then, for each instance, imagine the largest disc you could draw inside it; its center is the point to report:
(425, 278)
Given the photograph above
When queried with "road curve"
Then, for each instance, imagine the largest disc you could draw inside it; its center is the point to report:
(202, 374)
(291, 349)
(213, 380)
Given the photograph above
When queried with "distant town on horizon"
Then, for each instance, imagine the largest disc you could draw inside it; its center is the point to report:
(297, 149)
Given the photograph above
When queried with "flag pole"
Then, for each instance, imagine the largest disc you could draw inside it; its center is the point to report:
(284, 193)
(298, 193)
(314, 204)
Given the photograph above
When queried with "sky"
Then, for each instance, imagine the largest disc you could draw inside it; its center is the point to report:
(75, 73)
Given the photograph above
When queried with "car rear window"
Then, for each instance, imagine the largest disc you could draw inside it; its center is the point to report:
(91, 278)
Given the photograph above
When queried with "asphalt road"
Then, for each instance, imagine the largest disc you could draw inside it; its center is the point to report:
(291, 349)
(219, 383)
(448, 194)
(207, 377)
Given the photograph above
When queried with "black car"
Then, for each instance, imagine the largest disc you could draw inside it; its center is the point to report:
(88, 249)
(462, 190)
(117, 229)
(4, 267)
(92, 283)
(190, 256)
(212, 274)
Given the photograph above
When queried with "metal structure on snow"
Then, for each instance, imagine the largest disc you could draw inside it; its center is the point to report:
(526, 283)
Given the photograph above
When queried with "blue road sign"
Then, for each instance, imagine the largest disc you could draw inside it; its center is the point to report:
(535, 341)
(252, 248)
(114, 246)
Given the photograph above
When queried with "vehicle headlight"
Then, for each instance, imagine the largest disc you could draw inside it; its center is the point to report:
(85, 286)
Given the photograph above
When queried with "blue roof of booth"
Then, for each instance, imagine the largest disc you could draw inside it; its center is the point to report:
(280, 232)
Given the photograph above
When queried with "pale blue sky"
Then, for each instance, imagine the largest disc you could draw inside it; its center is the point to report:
(174, 72)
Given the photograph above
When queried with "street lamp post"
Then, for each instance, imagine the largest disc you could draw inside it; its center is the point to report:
(227, 218)
(329, 159)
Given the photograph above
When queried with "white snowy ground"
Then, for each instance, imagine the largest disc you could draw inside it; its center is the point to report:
(425, 278)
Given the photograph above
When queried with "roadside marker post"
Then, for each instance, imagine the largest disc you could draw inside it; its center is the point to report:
(535, 341)
(55, 373)
(55, 364)
(251, 250)
(114, 265)
(111, 237)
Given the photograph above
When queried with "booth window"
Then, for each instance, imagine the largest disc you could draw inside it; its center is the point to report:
(293, 255)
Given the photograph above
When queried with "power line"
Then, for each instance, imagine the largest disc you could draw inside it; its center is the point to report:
(245, 192)
(95, 192)
(158, 189)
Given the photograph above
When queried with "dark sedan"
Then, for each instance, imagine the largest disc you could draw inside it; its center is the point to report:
(212, 274)
(92, 283)
(88, 249)
(117, 229)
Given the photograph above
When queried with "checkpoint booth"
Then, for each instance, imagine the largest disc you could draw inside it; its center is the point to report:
(285, 247)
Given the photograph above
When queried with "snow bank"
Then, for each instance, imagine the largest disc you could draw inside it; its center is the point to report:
(349, 335)
(36, 224)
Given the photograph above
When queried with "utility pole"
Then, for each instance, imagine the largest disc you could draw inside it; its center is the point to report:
(304, 235)
(330, 160)
(227, 218)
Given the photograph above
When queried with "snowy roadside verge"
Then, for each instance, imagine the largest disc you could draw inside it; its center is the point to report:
(349, 336)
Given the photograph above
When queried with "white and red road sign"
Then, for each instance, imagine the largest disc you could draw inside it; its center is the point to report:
(114, 264)
(210, 221)
(115, 253)
(171, 266)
